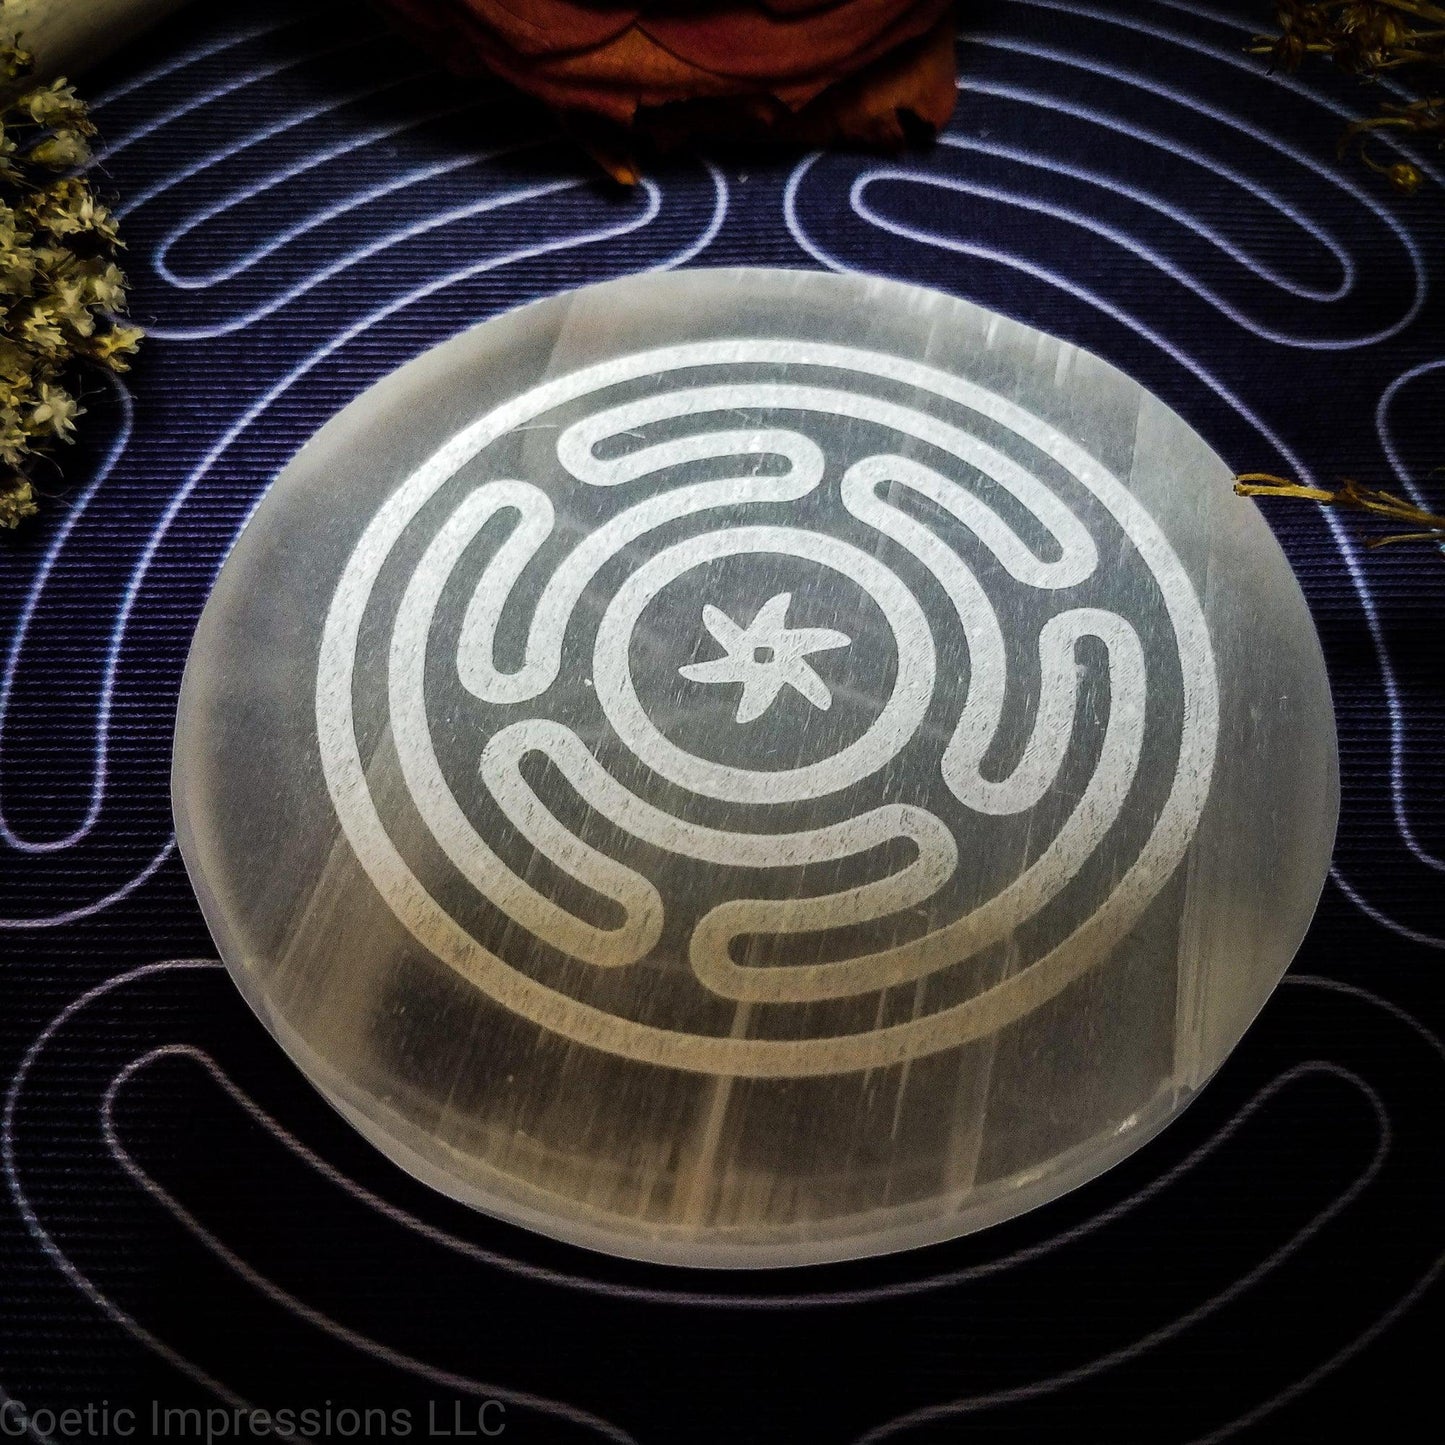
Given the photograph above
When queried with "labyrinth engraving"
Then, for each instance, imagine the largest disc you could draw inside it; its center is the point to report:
(862, 690)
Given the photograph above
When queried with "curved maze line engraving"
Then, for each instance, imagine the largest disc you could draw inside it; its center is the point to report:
(934, 852)
(830, 244)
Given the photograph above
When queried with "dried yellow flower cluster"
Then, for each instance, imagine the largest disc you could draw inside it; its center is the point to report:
(1368, 38)
(1363, 36)
(61, 291)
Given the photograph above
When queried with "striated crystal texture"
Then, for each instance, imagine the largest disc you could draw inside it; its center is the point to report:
(743, 767)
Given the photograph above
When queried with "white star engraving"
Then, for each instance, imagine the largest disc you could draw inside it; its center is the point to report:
(766, 655)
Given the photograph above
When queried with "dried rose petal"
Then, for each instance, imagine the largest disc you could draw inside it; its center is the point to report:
(808, 70)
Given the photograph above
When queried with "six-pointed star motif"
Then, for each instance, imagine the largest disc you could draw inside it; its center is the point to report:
(765, 655)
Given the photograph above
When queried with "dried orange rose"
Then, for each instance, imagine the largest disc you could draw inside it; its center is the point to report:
(875, 71)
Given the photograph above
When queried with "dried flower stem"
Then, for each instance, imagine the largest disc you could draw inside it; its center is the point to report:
(1426, 526)
(1367, 38)
(61, 292)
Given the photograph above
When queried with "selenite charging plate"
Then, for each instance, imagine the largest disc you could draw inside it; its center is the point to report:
(746, 767)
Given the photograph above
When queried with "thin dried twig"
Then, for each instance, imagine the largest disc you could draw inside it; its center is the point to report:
(1426, 526)
(1368, 38)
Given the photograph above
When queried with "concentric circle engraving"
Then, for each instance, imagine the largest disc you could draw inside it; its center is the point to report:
(714, 750)
(956, 472)
(895, 724)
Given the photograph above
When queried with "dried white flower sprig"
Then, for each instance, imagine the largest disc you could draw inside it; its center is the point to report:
(61, 292)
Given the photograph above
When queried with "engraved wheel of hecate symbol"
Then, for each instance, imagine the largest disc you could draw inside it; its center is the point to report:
(812, 713)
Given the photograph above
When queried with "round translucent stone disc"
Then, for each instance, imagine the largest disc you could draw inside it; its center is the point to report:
(743, 767)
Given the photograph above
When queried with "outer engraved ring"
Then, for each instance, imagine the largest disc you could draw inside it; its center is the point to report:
(1012, 998)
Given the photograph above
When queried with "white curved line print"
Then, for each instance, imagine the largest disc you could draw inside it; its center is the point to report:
(1273, 1260)
(289, 122)
(1386, 433)
(149, 550)
(78, 1280)
(229, 41)
(1084, 221)
(228, 87)
(1398, 801)
(98, 905)
(1236, 59)
(415, 907)
(703, 1299)
(239, 265)
(101, 746)
(1195, 223)
(100, 750)
(1141, 81)
(1338, 528)
(1034, 1389)
(318, 1319)
(392, 238)
(169, 1353)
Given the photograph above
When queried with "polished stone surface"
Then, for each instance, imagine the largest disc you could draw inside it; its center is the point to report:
(752, 767)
